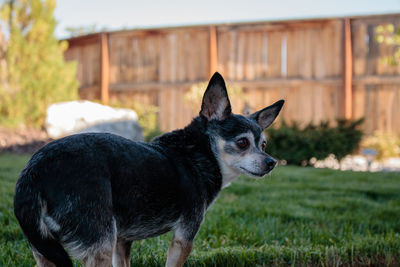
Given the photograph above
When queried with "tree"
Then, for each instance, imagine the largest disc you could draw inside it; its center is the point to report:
(82, 30)
(37, 74)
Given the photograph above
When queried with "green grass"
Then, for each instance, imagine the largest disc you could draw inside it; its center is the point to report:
(296, 216)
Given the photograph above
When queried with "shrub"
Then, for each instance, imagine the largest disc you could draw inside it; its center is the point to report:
(386, 144)
(298, 145)
(36, 72)
(148, 120)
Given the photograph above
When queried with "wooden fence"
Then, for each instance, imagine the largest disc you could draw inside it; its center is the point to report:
(325, 68)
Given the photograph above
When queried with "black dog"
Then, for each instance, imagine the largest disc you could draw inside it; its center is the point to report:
(94, 194)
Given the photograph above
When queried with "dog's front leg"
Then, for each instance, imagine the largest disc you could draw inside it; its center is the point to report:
(182, 242)
(178, 252)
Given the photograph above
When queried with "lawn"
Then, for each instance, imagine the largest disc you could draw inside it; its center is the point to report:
(295, 216)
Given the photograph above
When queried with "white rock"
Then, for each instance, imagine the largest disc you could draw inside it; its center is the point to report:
(392, 164)
(127, 128)
(67, 118)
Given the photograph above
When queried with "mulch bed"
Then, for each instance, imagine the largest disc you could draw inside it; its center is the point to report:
(22, 140)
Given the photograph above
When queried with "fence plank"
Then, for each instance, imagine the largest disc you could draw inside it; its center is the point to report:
(105, 70)
(347, 93)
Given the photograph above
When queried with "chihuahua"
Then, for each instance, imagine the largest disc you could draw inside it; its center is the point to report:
(89, 196)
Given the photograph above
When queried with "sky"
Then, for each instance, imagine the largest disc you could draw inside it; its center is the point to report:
(119, 14)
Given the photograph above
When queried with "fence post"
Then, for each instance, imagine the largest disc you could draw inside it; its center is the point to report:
(347, 93)
(105, 69)
(213, 50)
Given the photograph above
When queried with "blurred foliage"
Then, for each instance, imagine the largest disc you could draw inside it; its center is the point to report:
(388, 35)
(84, 30)
(37, 74)
(147, 117)
(386, 144)
(298, 145)
(148, 120)
(194, 96)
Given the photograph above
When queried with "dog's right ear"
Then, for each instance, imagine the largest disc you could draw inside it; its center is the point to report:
(216, 103)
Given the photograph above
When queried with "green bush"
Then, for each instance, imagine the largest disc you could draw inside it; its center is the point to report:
(148, 120)
(297, 145)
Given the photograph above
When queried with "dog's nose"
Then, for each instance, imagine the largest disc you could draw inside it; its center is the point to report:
(270, 162)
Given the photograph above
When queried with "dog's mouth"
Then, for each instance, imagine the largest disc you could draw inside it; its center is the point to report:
(253, 173)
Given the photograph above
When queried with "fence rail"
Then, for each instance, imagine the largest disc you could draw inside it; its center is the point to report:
(325, 68)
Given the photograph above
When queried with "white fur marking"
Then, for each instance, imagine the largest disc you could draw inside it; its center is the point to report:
(47, 223)
(228, 173)
(52, 224)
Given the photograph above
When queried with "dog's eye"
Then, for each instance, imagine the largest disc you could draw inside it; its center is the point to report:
(242, 143)
(263, 145)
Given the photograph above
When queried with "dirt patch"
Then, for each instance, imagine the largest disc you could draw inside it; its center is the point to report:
(23, 140)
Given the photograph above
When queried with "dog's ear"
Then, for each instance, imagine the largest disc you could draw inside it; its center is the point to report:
(266, 116)
(216, 103)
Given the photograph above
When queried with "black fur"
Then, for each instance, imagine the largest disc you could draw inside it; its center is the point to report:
(27, 207)
(91, 183)
(104, 175)
(234, 125)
